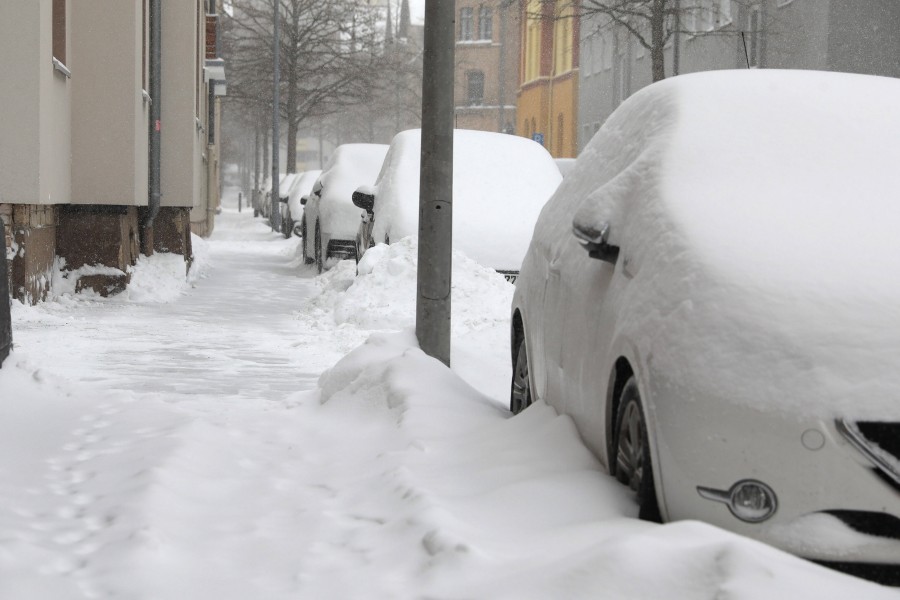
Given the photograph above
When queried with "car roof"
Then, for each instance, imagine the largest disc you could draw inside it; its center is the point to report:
(773, 176)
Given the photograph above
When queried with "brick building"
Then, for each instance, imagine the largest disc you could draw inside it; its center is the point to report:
(487, 59)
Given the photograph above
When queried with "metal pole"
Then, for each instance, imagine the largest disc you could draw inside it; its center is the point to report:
(276, 50)
(155, 195)
(436, 182)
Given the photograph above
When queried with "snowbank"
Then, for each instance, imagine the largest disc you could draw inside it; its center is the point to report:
(383, 298)
(505, 507)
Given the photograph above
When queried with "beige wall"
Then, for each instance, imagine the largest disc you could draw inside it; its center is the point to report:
(35, 131)
(182, 144)
(109, 131)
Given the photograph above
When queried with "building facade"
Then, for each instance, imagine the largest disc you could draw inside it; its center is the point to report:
(75, 161)
(858, 36)
(547, 103)
(487, 59)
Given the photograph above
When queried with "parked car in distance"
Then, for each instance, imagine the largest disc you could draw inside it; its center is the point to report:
(292, 209)
(285, 184)
(500, 184)
(713, 296)
(330, 216)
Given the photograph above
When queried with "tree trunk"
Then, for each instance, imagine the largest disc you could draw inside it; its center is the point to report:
(292, 122)
(266, 151)
(658, 40)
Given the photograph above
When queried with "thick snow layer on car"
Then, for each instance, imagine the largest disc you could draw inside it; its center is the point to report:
(302, 187)
(757, 213)
(500, 184)
(351, 166)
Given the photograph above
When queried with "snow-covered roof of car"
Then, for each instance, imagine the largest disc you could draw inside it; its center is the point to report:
(302, 187)
(351, 166)
(500, 184)
(760, 206)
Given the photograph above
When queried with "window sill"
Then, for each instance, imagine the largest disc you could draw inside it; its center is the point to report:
(60, 67)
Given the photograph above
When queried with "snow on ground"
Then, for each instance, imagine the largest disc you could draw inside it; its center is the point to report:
(197, 440)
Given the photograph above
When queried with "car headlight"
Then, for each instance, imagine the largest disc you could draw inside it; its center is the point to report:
(748, 500)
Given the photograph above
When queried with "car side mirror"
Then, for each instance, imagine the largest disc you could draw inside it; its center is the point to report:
(595, 242)
(304, 200)
(364, 199)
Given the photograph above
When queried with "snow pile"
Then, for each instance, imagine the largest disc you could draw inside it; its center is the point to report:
(383, 298)
(501, 507)
(159, 278)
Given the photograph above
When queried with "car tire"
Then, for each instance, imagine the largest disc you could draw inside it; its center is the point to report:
(307, 259)
(632, 464)
(320, 263)
(256, 212)
(287, 226)
(520, 387)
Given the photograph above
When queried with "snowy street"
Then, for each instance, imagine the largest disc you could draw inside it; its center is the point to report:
(235, 436)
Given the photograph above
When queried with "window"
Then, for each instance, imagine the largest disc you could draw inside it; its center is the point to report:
(465, 24)
(475, 87)
(724, 13)
(706, 16)
(485, 23)
(59, 30)
(144, 44)
(753, 43)
(532, 53)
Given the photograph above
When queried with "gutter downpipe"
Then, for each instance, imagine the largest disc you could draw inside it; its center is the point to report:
(155, 116)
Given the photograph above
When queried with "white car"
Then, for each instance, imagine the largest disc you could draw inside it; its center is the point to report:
(285, 184)
(293, 206)
(500, 184)
(330, 216)
(713, 296)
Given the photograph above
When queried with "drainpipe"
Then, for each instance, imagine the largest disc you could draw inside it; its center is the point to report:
(155, 113)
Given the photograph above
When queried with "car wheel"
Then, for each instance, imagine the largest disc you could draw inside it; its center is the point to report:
(255, 212)
(632, 465)
(320, 263)
(287, 226)
(307, 259)
(520, 389)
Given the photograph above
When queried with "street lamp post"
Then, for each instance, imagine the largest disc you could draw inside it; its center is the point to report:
(436, 182)
(276, 51)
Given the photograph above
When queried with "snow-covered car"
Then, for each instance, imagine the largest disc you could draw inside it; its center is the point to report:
(293, 208)
(713, 296)
(285, 185)
(329, 214)
(500, 184)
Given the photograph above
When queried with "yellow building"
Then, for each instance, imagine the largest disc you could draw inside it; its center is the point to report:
(547, 104)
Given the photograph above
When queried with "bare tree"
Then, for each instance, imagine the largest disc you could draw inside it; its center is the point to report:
(329, 51)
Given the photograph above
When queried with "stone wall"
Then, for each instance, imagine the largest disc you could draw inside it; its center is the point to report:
(30, 242)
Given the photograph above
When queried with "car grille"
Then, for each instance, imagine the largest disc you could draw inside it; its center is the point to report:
(510, 276)
(879, 442)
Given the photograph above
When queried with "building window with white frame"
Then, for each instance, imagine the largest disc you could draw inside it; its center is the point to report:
(59, 30)
(485, 23)
(465, 24)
